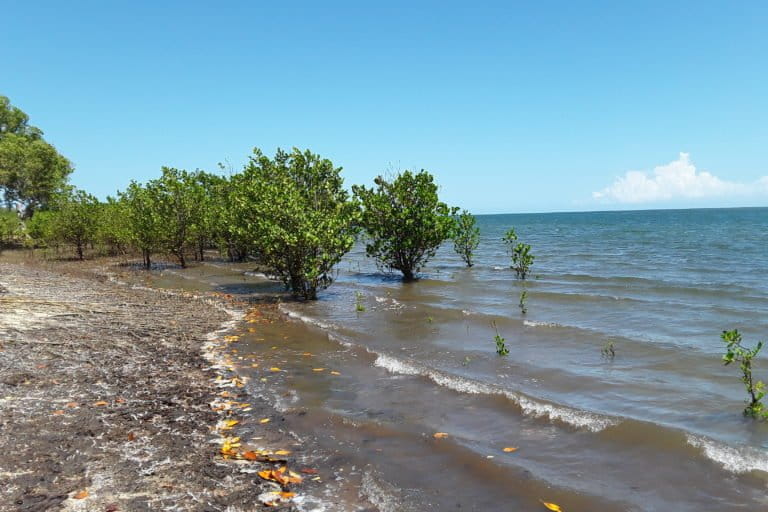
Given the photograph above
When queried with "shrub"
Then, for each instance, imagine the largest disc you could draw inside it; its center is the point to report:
(522, 259)
(405, 221)
(11, 228)
(466, 236)
(295, 210)
(735, 352)
(501, 346)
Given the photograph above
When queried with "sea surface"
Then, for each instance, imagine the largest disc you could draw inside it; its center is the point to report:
(656, 427)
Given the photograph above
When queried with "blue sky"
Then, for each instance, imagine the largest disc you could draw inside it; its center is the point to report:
(530, 106)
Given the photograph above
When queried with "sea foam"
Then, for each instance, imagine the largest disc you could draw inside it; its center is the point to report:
(529, 406)
(741, 459)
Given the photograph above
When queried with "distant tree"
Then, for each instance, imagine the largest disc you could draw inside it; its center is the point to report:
(13, 120)
(143, 222)
(466, 236)
(75, 219)
(295, 210)
(11, 228)
(177, 200)
(31, 170)
(112, 228)
(405, 221)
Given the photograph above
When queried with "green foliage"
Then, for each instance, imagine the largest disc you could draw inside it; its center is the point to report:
(466, 236)
(735, 352)
(31, 170)
(75, 219)
(295, 210)
(523, 302)
(501, 345)
(405, 221)
(112, 229)
(143, 223)
(359, 306)
(11, 228)
(41, 228)
(226, 229)
(608, 351)
(522, 259)
(177, 198)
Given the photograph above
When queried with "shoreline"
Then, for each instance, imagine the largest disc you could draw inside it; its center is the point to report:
(156, 419)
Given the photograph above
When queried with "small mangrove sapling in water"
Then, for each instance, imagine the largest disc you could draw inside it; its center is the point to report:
(735, 352)
(523, 305)
(608, 351)
(466, 236)
(501, 346)
(359, 306)
(522, 259)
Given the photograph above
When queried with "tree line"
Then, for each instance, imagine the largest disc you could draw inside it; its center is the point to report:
(289, 212)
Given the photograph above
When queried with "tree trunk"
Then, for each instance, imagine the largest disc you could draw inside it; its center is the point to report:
(80, 251)
(147, 262)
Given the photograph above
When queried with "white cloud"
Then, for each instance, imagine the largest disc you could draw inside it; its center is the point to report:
(675, 180)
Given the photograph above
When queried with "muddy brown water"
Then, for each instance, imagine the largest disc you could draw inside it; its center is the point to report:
(658, 427)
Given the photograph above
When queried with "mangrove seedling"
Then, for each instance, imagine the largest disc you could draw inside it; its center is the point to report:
(608, 351)
(501, 346)
(735, 352)
(522, 259)
(359, 306)
(523, 299)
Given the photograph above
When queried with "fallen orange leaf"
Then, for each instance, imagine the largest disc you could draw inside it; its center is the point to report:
(282, 452)
(510, 449)
(72, 405)
(274, 369)
(57, 413)
(287, 495)
(335, 373)
(551, 506)
(81, 495)
(318, 369)
(250, 455)
(100, 403)
(440, 435)
(265, 420)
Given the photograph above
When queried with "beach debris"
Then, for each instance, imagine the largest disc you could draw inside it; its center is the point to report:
(551, 506)
(81, 495)
(281, 475)
(264, 420)
(510, 449)
(440, 435)
(274, 498)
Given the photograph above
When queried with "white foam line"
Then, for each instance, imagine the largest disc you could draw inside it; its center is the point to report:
(579, 419)
(531, 323)
(737, 460)
(305, 319)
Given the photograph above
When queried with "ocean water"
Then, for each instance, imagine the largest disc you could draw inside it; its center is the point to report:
(658, 427)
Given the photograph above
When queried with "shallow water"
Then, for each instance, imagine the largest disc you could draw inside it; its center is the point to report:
(660, 424)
